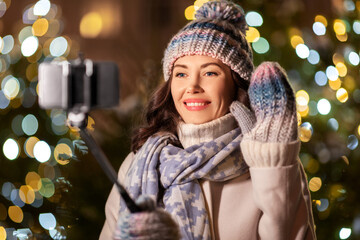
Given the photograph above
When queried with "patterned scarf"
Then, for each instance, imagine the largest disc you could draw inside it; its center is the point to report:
(179, 171)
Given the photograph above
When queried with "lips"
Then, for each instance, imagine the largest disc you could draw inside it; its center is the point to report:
(196, 104)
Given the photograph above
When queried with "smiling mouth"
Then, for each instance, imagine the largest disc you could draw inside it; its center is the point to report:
(196, 106)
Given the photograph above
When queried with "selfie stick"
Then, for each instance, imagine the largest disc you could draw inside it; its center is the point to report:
(77, 117)
(79, 120)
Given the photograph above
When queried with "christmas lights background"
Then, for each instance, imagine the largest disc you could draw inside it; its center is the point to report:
(49, 196)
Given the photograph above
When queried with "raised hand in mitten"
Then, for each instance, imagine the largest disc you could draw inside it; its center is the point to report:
(151, 224)
(273, 106)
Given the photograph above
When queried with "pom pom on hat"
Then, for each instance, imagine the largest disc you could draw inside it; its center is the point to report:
(219, 32)
(223, 10)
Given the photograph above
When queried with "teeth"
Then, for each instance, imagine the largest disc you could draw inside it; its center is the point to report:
(195, 104)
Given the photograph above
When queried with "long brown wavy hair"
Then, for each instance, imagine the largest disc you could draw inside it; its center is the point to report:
(161, 115)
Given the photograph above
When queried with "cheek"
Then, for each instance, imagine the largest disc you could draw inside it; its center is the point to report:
(226, 94)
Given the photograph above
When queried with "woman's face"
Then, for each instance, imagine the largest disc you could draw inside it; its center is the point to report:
(202, 88)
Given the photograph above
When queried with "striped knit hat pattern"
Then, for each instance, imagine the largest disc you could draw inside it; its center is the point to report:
(219, 32)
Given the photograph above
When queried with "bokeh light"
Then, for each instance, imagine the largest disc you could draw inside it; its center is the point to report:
(319, 28)
(305, 132)
(337, 57)
(339, 27)
(332, 73)
(323, 106)
(27, 194)
(15, 198)
(29, 146)
(314, 57)
(254, 19)
(47, 221)
(356, 26)
(261, 46)
(10, 87)
(354, 58)
(25, 33)
(11, 149)
(313, 108)
(352, 142)
(349, 83)
(47, 171)
(345, 233)
(296, 40)
(42, 151)
(30, 124)
(29, 46)
(302, 97)
(320, 78)
(6, 189)
(91, 25)
(40, 27)
(58, 122)
(342, 95)
(302, 51)
(16, 125)
(333, 124)
(54, 28)
(58, 46)
(16, 214)
(321, 19)
(33, 180)
(190, 12)
(342, 38)
(3, 234)
(322, 205)
(349, 5)
(315, 184)
(47, 188)
(342, 69)
(42, 7)
(39, 200)
(62, 153)
(8, 41)
(335, 85)
(3, 9)
(252, 35)
(28, 16)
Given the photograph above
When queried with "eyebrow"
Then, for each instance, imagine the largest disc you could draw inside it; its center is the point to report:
(202, 66)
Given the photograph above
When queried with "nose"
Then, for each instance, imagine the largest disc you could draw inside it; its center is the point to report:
(194, 86)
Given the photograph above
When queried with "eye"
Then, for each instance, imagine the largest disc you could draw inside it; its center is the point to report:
(209, 74)
(180, 75)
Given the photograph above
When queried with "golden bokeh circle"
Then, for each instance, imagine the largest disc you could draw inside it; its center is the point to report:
(16, 214)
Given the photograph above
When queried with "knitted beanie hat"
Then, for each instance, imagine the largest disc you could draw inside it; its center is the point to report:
(219, 32)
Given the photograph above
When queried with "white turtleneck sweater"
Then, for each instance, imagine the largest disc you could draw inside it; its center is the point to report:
(271, 201)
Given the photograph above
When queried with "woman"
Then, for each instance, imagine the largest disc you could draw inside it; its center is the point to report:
(221, 170)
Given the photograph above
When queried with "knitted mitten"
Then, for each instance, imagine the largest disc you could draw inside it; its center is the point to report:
(151, 224)
(273, 103)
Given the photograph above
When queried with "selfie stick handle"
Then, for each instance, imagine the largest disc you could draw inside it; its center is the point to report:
(77, 117)
(108, 169)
